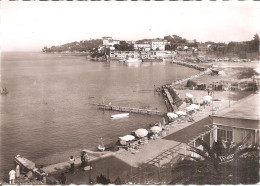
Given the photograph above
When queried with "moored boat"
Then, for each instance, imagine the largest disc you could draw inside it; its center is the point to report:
(120, 115)
(4, 91)
(133, 60)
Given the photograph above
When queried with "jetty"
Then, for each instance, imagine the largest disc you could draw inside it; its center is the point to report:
(190, 65)
(203, 70)
(169, 99)
(131, 110)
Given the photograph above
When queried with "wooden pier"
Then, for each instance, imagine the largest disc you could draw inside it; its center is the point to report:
(131, 110)
(169, 98)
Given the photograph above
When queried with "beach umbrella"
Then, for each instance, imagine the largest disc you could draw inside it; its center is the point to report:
(207, 98)
(189, 95)
(127, 138)
(172, 115)
(185, 48)
(189, 108)
(194, 106)
(156, 129)
(182, 113)
(141, 133)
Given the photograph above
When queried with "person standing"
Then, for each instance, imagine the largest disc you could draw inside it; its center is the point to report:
(12, 176)
(72, 162)
(83, 159)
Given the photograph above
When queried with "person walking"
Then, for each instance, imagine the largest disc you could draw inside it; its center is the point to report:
(12, 176)
(72, 162)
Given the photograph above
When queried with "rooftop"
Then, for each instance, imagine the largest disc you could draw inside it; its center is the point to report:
(193, 131)
(247, 108)
(242, 114)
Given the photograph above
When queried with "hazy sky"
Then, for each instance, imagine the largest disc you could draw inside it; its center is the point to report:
(32, 25)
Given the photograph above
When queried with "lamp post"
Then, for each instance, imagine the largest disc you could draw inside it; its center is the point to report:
(212, 99)
(229, 88)
(90, 167)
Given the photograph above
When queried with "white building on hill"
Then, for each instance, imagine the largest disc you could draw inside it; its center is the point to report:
(109, 41)
(142, 46)
(159, 44)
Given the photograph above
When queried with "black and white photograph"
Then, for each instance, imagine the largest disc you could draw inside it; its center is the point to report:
(129, 92)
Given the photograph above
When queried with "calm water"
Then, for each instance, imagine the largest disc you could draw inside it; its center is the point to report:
(47, 114)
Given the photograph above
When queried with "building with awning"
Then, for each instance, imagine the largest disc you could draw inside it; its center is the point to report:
(239, 122)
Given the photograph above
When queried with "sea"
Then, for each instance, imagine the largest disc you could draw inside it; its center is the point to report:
(50, 112)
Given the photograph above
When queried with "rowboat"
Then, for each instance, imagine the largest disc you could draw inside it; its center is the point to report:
(120, 115)
(4, 91)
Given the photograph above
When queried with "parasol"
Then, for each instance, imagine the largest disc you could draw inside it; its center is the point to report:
(141, 133)
(156, 129)
(172, 115)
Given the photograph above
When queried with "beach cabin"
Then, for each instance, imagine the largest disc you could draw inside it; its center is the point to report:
(239, 122)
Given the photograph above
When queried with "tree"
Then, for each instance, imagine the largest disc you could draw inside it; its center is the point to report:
(220, 164)
(255, 43)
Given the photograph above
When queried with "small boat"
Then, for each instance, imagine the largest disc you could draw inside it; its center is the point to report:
(120, 115)
(133, 60)
(4, 91)
(122, 60)
(101, 148)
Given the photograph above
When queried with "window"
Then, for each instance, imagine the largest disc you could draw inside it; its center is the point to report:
(226, 135)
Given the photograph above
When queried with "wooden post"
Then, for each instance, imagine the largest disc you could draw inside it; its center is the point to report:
(44, 180)
(108, 173)
(17, 171)
(159, 171)
(90, 167)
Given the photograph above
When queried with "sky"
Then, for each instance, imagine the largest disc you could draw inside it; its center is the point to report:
(29, 26)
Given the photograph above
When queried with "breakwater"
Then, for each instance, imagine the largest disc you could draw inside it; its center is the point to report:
(168, 89)
(203, 70)
(197, 67)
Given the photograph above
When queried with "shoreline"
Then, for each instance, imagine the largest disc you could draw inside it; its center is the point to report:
(177, 82)
(123, 154)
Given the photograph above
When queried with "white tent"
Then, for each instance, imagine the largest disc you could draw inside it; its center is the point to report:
(221, 73)
(182, 113)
